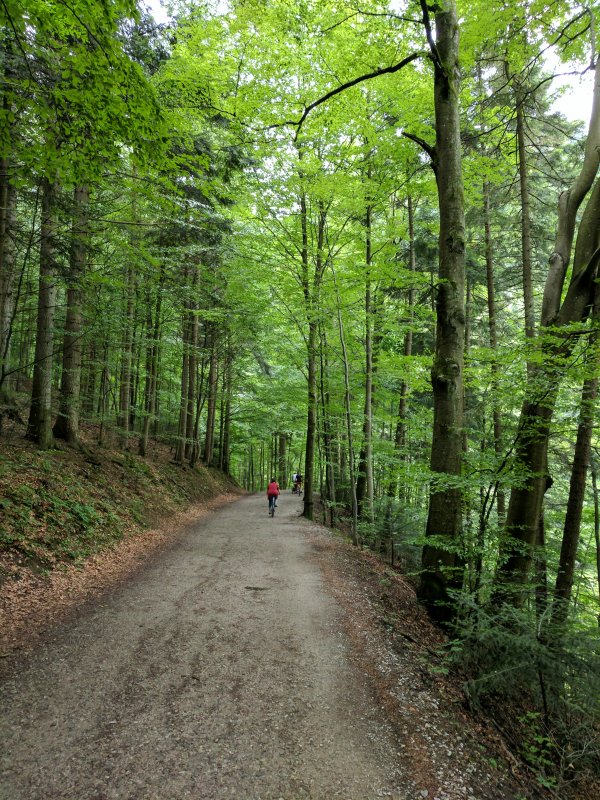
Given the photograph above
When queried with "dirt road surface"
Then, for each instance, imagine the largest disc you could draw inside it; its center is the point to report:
(219, 671)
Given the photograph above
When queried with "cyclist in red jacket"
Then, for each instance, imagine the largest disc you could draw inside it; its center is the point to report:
(272, 494)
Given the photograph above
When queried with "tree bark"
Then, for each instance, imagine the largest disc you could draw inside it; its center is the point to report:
(329, 494)
(364, 483)
(184, 394)
(543, 384)
(211, 407)
(348, 409)
(126, 358)
(153, 334)
(529, 310)
(572, 524)
(67, 422)
(39, 427)
(7, 266)
(440, 566)
(493, 332)
(401, 422)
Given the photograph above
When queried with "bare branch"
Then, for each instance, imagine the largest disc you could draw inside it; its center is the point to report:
(429, 33)
(429, 149)
(348, 85)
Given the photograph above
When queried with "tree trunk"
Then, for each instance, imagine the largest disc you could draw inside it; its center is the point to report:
(440, 566)
(348, 408)
(153, 334)
(330, 500)
(7, 266)
(190, 446)
(211, 407)
(401, 422)
(491, 302)
(364, 483)
(126, 358)
(226, 445)
(39, 427)
(543, 384)
(529, 309)
(572, 524)
(183, 398)
(594, 471)
(67, 423)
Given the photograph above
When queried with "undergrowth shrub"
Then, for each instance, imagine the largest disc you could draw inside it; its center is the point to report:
(547, 680)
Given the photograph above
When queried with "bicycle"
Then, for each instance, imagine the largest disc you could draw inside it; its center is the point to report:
(272, 501)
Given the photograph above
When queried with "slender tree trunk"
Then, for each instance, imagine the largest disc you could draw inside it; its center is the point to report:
(39, 428)
(211, 408)
(572, 524)
(154, 327)
(226, 446)
(330, 500)
(364, 484)
(183, 399)
(67, 422)
(400, 434)
(491, 302)
(311, 306)
(440, 567)
(190, 448)
(7, 266)
(123, 421)
(525, 215)
(281, 460)
(594, 471)
(348, 409)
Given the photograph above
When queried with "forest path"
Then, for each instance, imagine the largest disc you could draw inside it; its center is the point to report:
(221, 670)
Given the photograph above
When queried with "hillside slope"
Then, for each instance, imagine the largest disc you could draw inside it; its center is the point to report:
(73, 522)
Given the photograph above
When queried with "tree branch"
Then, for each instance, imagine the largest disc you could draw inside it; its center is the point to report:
(348, 85)
(429, 149)
(429, 33)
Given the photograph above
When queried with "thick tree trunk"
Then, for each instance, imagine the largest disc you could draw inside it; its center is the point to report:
(67, 423)
(536, 414)
(39, 427)
(441, 569)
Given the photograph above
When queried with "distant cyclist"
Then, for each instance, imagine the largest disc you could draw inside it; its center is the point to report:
(272, 495)
(299, 483)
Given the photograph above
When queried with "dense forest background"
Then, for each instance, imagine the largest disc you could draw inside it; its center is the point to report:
(355, 242)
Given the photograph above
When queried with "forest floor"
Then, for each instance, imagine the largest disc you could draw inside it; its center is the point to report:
(159, 641)
(228, 655)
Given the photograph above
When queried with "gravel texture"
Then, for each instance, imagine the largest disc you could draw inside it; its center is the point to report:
(222, 669)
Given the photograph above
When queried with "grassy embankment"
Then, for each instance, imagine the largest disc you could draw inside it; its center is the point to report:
(60, 506)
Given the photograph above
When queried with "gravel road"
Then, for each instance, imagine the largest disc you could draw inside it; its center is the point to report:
(218, 671)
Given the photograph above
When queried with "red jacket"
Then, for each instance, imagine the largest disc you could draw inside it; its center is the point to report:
(273, 489)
